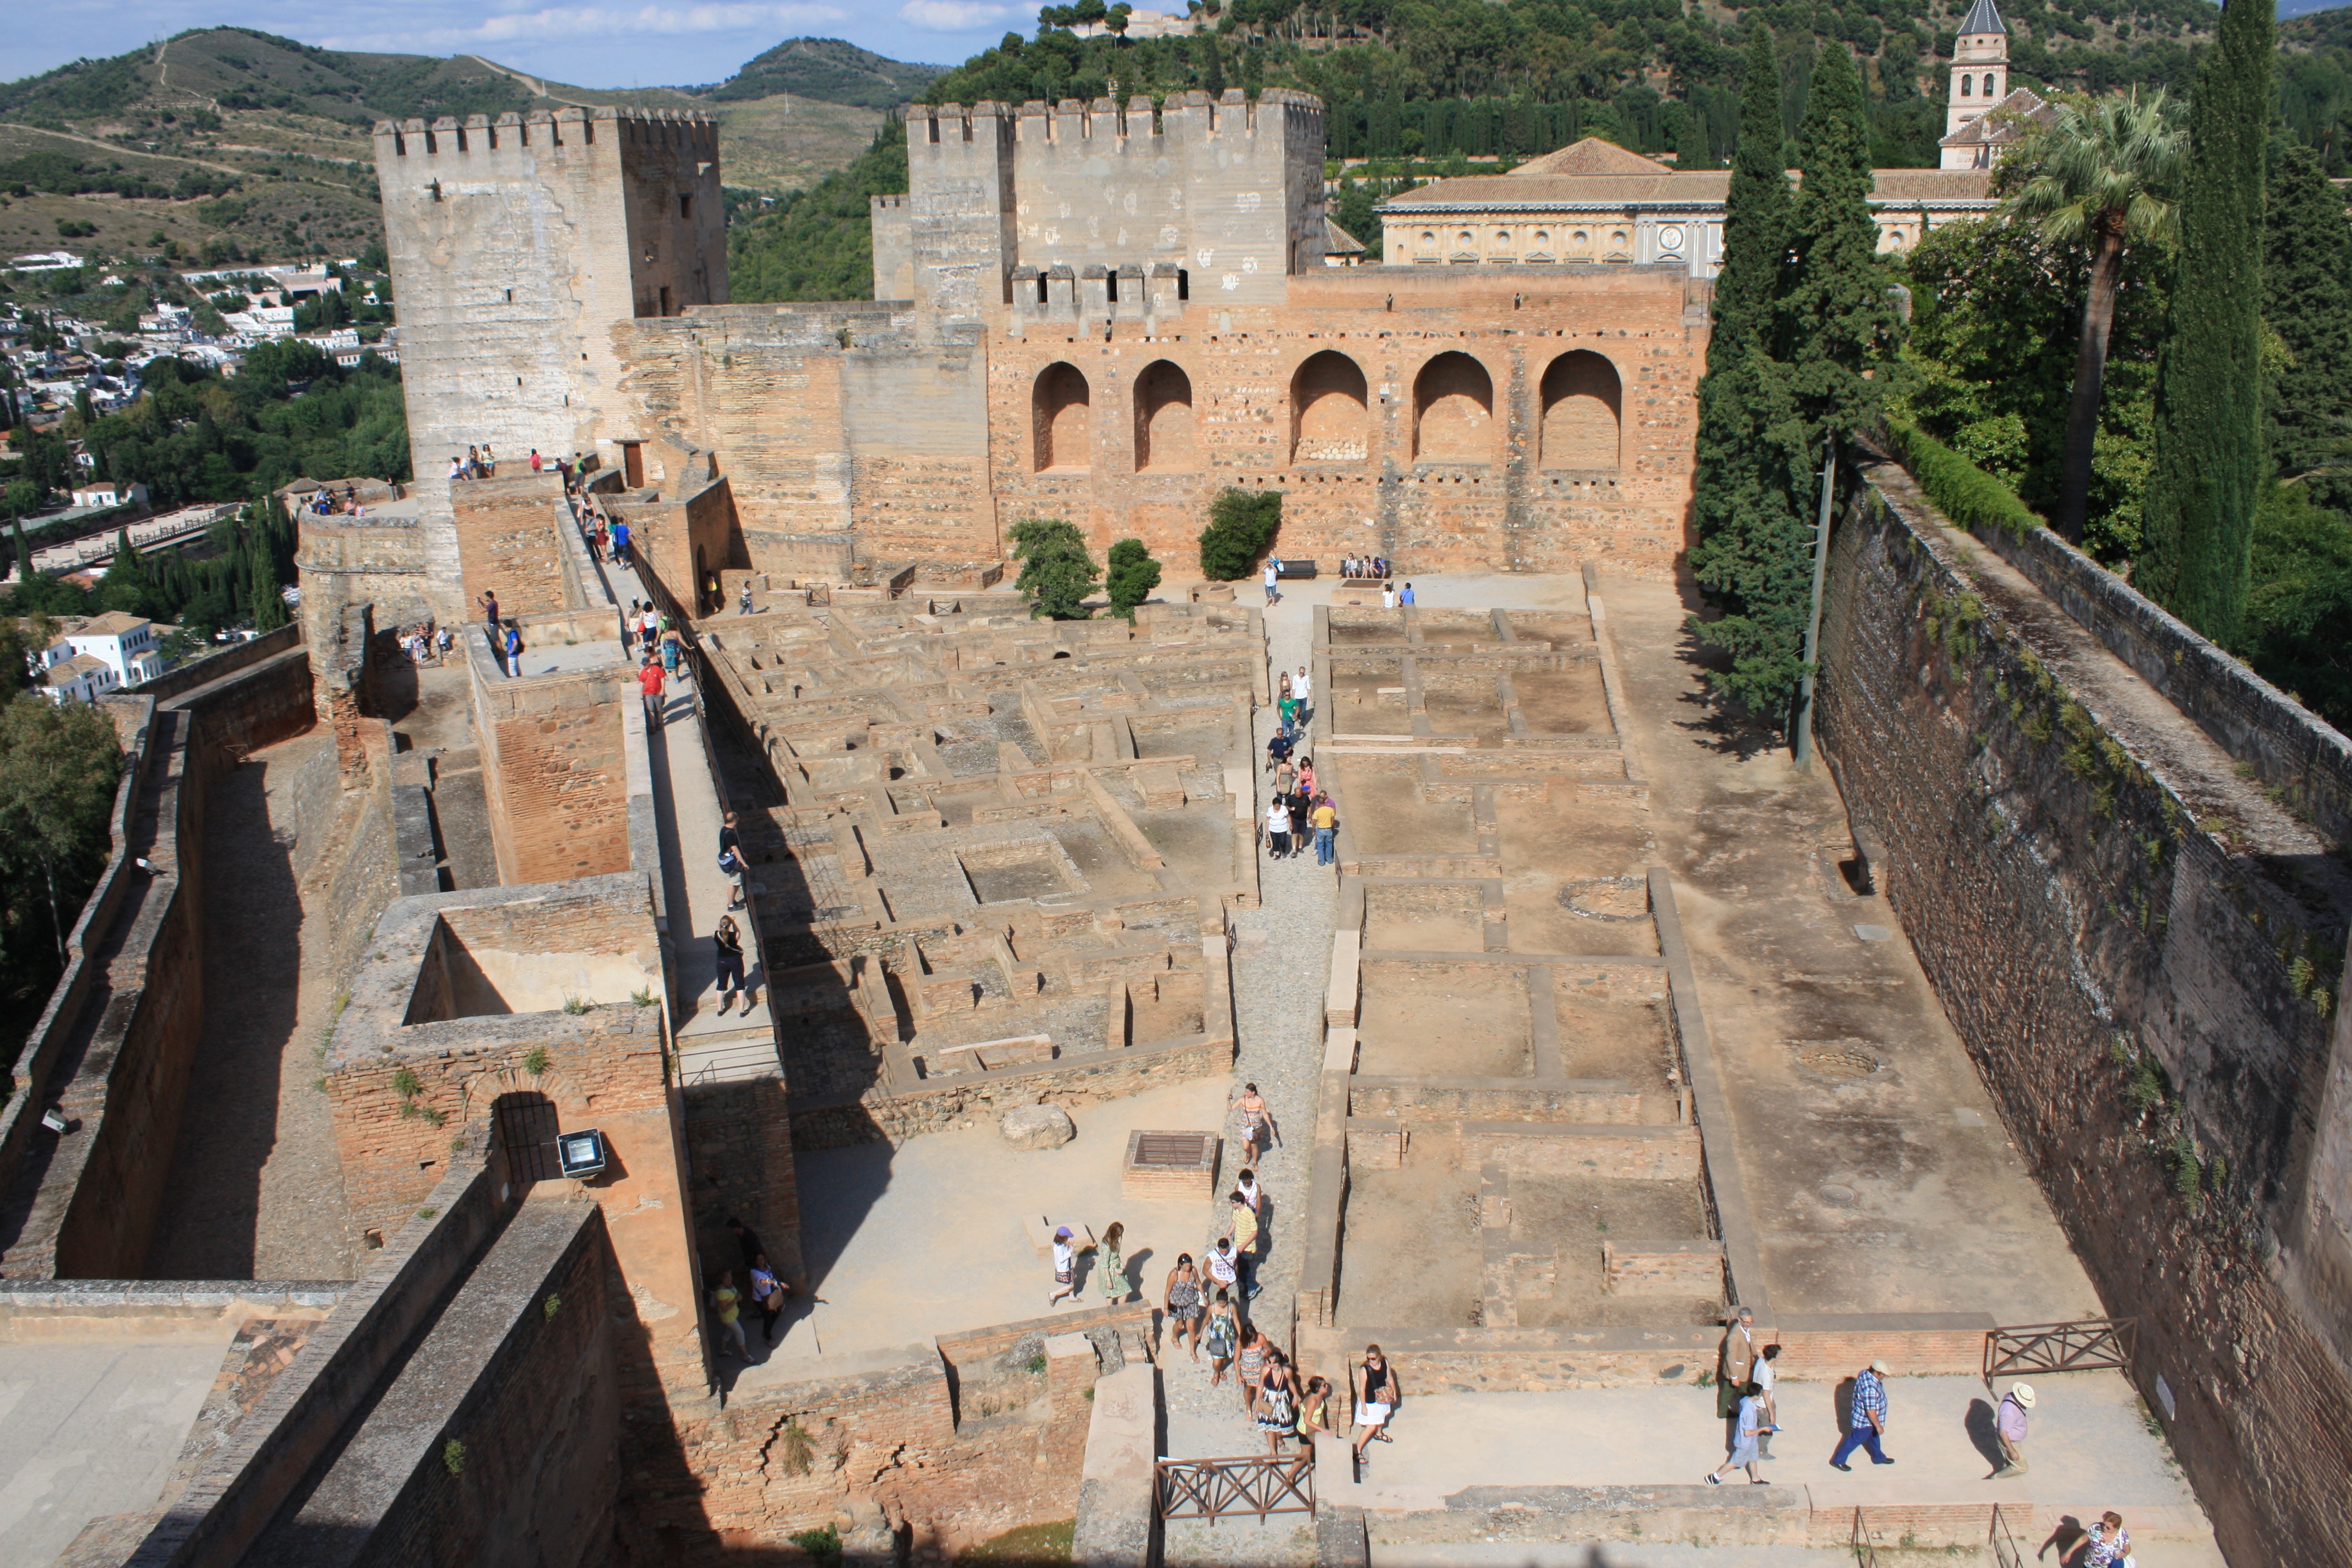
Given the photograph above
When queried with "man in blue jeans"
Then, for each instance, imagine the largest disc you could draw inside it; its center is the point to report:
(1868, 1423)
(1325, 821)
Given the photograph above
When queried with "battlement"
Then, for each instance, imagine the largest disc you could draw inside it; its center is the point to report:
(567, 125)
(1183, 117)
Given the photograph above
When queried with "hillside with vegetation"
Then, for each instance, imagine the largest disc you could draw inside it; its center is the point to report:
(829, 71)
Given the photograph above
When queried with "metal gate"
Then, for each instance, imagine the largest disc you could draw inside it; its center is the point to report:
(527, 1131)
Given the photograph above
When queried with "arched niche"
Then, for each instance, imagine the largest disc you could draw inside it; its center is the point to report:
(1163, 420)
(1059, 407)
(1454, 411)
(1584, 413)
(1329, 411)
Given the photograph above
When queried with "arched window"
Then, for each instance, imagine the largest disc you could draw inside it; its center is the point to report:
(1454, 411)
(1967, 84)
(1988, 85)
(1329, 411)
(1582, 412)
(1163, 418)
(1059, 411)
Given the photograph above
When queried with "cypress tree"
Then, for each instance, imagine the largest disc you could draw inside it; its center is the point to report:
(2208, 466)
(1756, 215)
(1834, 318)
(2307, 301)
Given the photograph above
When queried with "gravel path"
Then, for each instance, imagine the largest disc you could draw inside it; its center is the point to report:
(1282, 967)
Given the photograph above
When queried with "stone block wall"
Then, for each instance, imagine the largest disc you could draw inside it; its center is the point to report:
(1619, 1153)
(554, 761)
(2124, 933)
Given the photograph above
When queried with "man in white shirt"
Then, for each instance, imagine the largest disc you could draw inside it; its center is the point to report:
(1302, 686)
(1273, 583)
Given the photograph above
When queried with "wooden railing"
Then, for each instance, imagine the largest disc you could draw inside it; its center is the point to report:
(2091, 1345)
(2006, 1553)
(1220, 1489)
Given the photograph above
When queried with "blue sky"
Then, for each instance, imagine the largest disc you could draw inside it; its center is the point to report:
(607, 43)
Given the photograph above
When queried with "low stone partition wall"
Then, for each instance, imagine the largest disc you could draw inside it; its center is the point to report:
(1690, 1269)
(1592, 1102)
(1087, 1079)
(1619, 1153)
(36, 1310)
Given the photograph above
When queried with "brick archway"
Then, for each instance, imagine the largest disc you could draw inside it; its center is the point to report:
(1330, 414)
(1164, 433)
(1454, 411)
(1583, 414)
(1060, 407)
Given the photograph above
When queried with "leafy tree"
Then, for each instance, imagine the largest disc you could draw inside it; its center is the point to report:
(1988, 365)
(2301, 601)
(59, 767)
(2101, 177)
(818, 243)
(1242, 524)
(1133, 574)
(125, 586)
(2209, 464)
(2307, 301)
(1056, 572)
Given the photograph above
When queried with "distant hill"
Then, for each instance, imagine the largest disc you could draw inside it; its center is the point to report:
(2304, 7)
(831, 71)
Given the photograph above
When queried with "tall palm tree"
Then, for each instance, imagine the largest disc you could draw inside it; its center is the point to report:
(2102, 175)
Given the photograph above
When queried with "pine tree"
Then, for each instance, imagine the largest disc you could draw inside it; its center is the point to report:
(2307, 301)
(1211, 57)
(1756, 215)
(2208, 467)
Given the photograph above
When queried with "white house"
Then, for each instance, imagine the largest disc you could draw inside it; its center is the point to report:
(126, 644)
(83, 677)
(109, 492)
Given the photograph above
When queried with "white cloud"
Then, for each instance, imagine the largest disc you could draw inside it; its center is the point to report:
(569, 22)
(960, 15)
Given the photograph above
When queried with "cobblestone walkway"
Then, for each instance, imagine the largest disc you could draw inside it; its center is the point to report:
(1282, 965)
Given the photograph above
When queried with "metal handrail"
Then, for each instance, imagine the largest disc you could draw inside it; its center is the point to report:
(2006, 1551)
(1256, 1485)
(2090, 1344)
(1865, 1544)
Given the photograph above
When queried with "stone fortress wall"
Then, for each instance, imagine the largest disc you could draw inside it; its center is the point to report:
(1100, 313)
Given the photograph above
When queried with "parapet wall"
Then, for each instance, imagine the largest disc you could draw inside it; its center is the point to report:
(2143, 953)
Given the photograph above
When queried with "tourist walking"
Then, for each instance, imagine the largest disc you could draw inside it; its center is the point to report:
(729, 952)
(1326, 824)
(621, 541)
(629, 628)
(1298, 803)
(1313, 1412)
(1767, 1377)
(1251, 1192)
(1303, 689)
(1258, 1129)
(603, 539)
(1066, 1267)
(1867, 1418)
(1406, 596)
(1182, 1302)
(1277, 1410)
(2104, 1545)
(745, 609)
(2010, 1426)
(1377, 1395)
(1388, 595)
(732, 861)
(1243, 1220)
(1735, 1361)
(1224, 1274)
(1750, 1434)
(1224, 1337)
(1110, 1268)
(768, 1293)
(1272, 584)
(1277, 829)
(728, 1307)
(1250, 1365)
(649, 682)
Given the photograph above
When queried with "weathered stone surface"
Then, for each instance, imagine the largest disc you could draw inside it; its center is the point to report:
(1037, 1127)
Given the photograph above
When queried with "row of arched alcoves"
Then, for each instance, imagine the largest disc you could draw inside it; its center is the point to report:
(1581, 399)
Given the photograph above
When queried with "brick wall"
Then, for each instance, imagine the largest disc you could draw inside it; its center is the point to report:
(554, 768)
(2070, 910)
(507, 540)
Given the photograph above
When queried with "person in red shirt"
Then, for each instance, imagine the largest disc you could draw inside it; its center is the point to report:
(649, 681)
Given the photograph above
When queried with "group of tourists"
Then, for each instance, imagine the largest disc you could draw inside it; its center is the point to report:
(424, 644)
(1297, 806)
(325, 502)
(478, 463)
(767, 1291)
(1364, 569)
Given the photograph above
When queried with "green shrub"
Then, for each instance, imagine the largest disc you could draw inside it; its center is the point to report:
(1055, 569)
(1242, 524)
(825, 1545)
(1133, 574)
(1959, 490)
